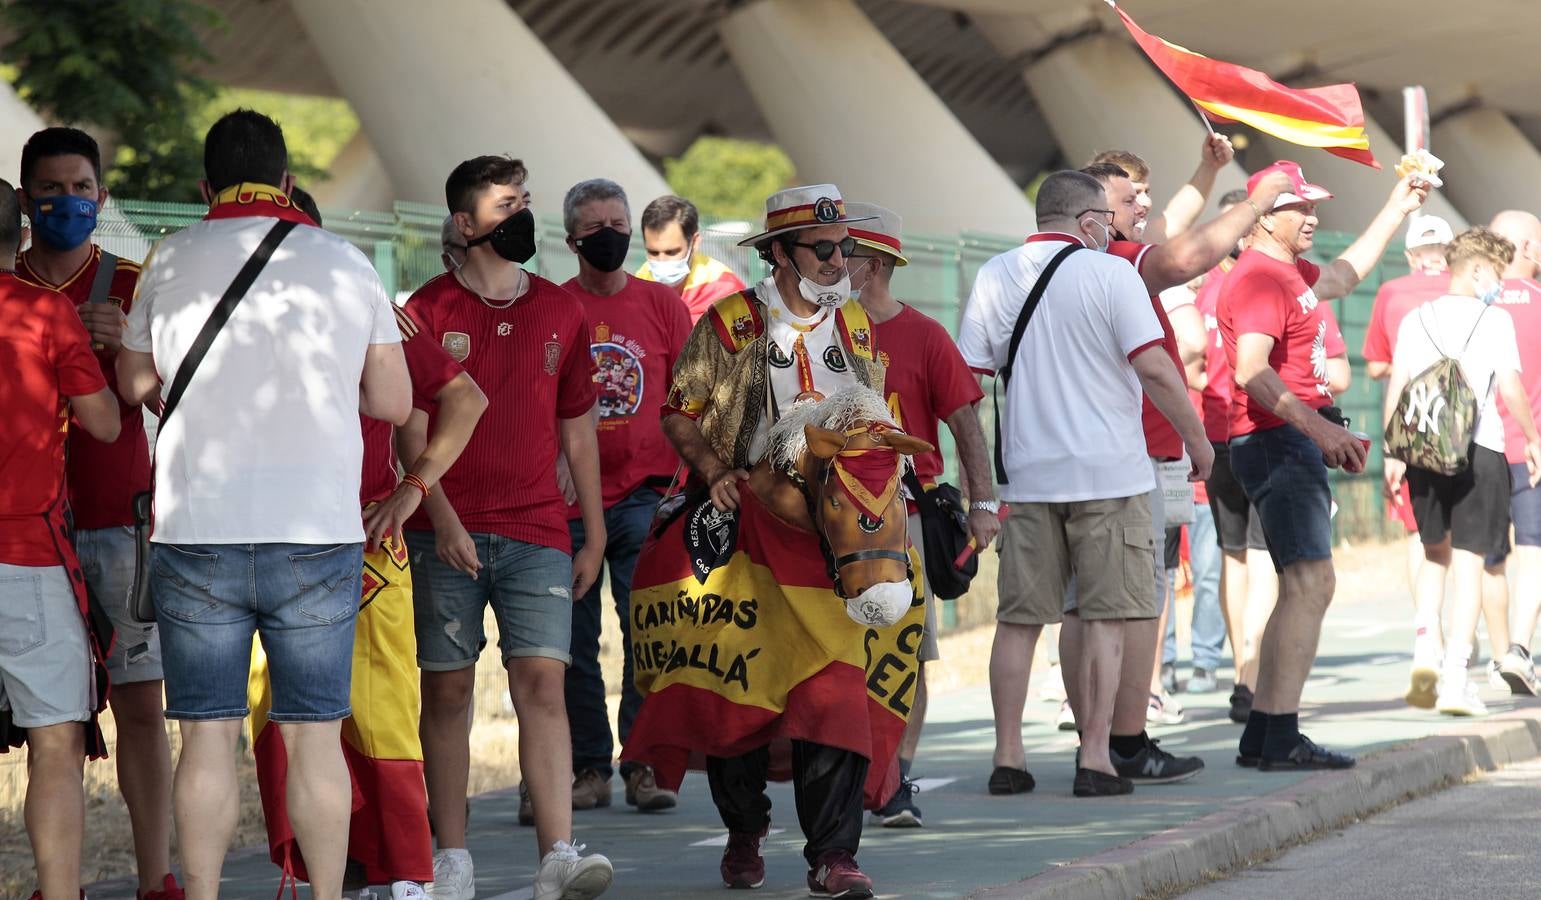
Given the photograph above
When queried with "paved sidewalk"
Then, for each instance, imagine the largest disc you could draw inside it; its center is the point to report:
(971, 840)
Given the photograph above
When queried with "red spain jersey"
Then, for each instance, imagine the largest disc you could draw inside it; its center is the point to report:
(431, 369)
(532, 360)
(46, 356)
(927, 381)
(1161, 439)
(103, 478)
(635, 338)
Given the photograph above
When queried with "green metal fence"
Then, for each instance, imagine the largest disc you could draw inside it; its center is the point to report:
(404, 245)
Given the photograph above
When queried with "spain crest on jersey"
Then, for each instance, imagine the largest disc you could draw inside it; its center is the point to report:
(457, 344)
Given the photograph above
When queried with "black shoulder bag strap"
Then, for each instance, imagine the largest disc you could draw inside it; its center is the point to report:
(1003, 377)
(106, 268)
(922, 497)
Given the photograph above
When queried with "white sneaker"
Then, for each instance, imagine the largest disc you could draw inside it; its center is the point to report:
(564, 875)
(1495, 677)
(407, 890)
(1458, 697)
(1519, 674)
(1172, 704)
(1065, 721)
(1052, 689)
(454, 878)
(1158, 713)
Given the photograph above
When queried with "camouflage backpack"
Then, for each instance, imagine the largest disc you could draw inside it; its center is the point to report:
(1436, 417)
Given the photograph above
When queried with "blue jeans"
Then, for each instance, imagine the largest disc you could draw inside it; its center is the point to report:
(626, 524)
(1208, 622)
(1284, 476)
(301, 599)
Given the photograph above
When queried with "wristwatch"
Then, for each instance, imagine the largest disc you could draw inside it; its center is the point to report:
(993, 507)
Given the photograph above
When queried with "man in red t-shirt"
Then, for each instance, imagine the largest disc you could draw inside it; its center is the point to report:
(499, 518)
(637, 331)
(51, 675)
(1521, 298)
(1428, 280)
(62, 191)
(1160, 267)
(927, 383)
(1278, 338)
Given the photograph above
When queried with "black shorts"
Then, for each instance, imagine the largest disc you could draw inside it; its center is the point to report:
(1471, 507)
(1236, 520)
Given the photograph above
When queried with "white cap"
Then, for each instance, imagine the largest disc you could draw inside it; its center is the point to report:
(1428, 231)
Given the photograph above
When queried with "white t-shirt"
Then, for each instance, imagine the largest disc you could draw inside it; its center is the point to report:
(264, 446)
(1439, 327)
(822, 361)
(1071, 425)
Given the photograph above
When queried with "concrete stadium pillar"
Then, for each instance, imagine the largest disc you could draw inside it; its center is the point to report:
(18, 122)
(1358, 191)
(848, 109)
(1490, 165)
(434, 84)
(357, 179)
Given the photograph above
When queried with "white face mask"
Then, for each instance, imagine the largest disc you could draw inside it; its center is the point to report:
(670, 271)
(1107, 237)
(856, 291)
(825, 296)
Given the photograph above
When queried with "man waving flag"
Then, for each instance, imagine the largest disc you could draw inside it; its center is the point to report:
(1329, 117)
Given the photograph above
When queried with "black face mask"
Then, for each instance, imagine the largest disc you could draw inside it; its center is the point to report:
(513, 238)
(605, 249)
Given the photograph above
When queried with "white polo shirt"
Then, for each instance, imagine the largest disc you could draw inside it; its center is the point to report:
(1071, 426)
(264, 446)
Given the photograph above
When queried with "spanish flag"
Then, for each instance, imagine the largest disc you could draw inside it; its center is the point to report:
(1328, 117)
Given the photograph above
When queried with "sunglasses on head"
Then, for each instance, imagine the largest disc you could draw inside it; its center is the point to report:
(823, 250)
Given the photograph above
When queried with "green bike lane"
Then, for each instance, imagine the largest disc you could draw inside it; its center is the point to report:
(971, 839)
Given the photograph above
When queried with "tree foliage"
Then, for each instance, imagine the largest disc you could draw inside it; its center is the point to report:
(729, 179)
(123, 67)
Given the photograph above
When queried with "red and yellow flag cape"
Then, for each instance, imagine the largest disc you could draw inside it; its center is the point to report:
(760, 650)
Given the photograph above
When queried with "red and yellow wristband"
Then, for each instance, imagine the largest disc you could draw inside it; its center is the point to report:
(418, 483)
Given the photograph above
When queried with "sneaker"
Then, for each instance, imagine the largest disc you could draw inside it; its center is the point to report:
(1458, 697)
(454, 878)
(591, 790)
(1241, 704)
(1065, 721)
(565, 875)
(1422, 691)
(1203, 682)
(900, 811)
(1495, 676)
(1152, 765)
(1052, 689)
(1169, 677)
(1006, 780)
(837, 875)
(1306, 755)
(526, 809)
(1519, 674)
(1091, 783)
(1160, 713)
(169, 890)
(407, 890)
(743, 866)
(643, 792)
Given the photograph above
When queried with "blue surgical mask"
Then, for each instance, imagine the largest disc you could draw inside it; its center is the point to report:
(670, 271)
(1491, 293)
(63, 222)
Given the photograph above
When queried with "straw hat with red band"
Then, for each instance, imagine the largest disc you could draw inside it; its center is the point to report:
(811, 206)
(882, 232)
(1304, 192)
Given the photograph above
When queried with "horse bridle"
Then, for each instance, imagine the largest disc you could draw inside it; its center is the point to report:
(832, 563)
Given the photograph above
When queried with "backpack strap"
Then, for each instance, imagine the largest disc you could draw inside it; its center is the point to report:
(101, 284)
(1003, 377)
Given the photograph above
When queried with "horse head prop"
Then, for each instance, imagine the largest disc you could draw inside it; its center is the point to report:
(834, 468)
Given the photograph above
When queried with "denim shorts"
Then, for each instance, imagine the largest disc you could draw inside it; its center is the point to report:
(1524, 506)
(302, 599)
(45, 659)
(107, 562)
(1285, 477)
(529, 587)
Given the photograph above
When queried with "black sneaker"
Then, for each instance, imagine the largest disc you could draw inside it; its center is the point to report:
(1307, 755)
(900, 811)
(1241, 704)
(1248, 760)
(1091, 783)
(1152, 765)
(1006, 780)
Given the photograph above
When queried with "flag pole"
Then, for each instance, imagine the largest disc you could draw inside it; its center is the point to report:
(1203, 118)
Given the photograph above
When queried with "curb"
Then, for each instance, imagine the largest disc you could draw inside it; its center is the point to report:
(1188, 854)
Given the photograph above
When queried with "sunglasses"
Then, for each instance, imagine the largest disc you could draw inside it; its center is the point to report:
(823, 250)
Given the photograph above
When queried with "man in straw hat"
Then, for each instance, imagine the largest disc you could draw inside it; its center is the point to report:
(794, 335)
(927, 383)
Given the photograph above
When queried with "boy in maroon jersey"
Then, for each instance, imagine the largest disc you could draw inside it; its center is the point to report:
(500, 519)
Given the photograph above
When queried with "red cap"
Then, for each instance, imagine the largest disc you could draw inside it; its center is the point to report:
(1305, 191)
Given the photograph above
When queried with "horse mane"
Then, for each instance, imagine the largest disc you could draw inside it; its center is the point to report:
(840, 411)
